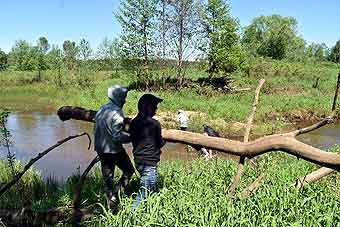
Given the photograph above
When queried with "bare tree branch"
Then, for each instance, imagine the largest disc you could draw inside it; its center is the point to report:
(256, 183)
(78, 214)
(325, 121)
(240, 167)
(33, 160)
(313, 177)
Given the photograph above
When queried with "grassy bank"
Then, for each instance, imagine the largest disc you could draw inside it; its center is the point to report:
(194, 194)
(289, 93)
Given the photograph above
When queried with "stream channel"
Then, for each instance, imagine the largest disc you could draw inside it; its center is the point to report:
(33, 131)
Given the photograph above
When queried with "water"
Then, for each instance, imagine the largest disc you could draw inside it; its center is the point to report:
(32, 133)
(323, 137)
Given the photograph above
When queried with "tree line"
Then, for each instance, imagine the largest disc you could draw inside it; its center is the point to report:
(156, 32)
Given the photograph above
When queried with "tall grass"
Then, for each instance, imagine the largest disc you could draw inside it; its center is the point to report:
(194, 194)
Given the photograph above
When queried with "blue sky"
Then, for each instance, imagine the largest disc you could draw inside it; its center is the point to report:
(59, 20)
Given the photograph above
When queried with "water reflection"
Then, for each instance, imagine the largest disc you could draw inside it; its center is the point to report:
(323, 137)
(32, 133)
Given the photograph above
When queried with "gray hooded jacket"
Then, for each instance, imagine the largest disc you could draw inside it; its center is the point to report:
(108, 130)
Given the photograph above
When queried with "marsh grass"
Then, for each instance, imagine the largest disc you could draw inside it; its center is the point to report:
(194, 194)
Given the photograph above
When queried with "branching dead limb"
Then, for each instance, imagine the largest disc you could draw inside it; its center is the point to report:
(279, 142)
(77, 213)
(322, 172)
(17, 177)
(252, 187)
(240, 166)
(313, 177)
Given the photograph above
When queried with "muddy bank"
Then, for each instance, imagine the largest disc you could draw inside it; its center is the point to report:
(235, 129)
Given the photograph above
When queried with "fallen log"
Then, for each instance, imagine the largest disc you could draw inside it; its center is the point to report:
(313, 177)
(278, 142)
(78, 113)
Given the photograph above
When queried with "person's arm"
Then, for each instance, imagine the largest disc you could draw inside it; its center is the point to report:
(159, 139)
(118, 132)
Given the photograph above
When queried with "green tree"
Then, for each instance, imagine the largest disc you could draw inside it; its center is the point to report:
(3, 60)
(70, 51)
(137, 19)
(109, 53)
(54, 60)
(221, 30)
(184, 29)
(84, 49)
(43, 45)
(317, 51)
(335, 53)
(273, 36)
(22, 56)
(41, 50)
(162, 33)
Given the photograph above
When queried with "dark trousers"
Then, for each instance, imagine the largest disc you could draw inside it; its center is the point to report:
(108, 163)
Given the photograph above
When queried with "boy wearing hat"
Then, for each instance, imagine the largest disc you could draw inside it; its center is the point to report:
(147, 141)
(108, 139)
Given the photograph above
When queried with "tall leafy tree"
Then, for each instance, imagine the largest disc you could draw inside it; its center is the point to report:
(3, 60)
(272, 36)
(22, 56)
(84, 49)
(223, 50)
(41, 50)
(317, 51)
(162, 33)
(70, 51)
(137, 18)
(184, 19)
(54, 60)
(109, 53)
(54, 57)
(335, 53)
(43, 45)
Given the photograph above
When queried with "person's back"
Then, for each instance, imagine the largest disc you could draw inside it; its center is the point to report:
(146, 139)
(109, 137)
(107, 129)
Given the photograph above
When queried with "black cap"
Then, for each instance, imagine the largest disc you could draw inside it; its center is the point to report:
(148, 99)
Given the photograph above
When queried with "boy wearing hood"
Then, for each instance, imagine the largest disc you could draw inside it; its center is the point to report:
(147, 141)
(108, 142)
